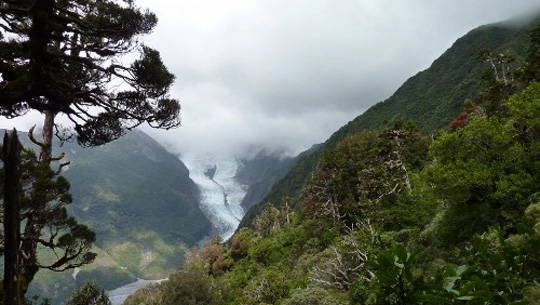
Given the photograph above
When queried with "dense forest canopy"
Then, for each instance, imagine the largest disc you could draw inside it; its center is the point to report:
(64, 57)
(430, 99)
(397, 216)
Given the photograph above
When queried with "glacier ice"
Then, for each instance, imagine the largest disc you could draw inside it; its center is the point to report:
(221, 194)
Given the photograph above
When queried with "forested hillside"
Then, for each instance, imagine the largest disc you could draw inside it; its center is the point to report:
(260, 173)
(141, 203)
(134, 185)
(397, 215)
(430, 99)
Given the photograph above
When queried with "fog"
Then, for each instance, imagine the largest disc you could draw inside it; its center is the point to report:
(284, 75)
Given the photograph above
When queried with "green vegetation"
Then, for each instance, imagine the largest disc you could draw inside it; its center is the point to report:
(396, 217)
(141, 231)
(260, 173)
(46, 44)
(156, 220)
(456, 226)
(89, 294)
(131, 187)
(59, 58)
(37, 231)
(390, 210)
(430, 99)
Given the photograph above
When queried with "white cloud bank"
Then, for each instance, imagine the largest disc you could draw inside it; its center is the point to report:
(285, 74)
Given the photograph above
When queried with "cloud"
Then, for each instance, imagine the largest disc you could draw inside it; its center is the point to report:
(285, 74)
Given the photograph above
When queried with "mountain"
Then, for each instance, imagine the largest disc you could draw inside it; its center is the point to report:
(430, 99)
(260, 173)
(384, 222)
(147, 208)
(134, 186)
(395, 216)
(229, 185)
(143, 206)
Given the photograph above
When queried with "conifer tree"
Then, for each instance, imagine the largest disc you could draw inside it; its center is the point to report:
(11, 191)
(89, 294)
(35, 217)
(66, 57)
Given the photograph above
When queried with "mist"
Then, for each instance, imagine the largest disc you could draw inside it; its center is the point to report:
(284, 75)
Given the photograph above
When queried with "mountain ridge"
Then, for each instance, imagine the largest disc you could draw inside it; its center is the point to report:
(142, 204)
(430, 99)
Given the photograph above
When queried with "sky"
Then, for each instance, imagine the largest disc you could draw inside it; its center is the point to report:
(285, 74)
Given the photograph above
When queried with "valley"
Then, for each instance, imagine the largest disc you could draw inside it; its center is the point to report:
(147, 207)
(428, 197)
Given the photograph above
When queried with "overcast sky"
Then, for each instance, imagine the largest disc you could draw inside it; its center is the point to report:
(285, 74)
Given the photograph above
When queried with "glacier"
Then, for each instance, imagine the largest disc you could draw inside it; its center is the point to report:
(221, 194)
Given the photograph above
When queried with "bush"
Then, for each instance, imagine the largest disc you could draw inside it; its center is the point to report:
(150, 295)
(191, 285)
(89, 294)
(315, 296)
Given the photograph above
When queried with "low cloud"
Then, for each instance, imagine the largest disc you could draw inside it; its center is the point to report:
(285, 74)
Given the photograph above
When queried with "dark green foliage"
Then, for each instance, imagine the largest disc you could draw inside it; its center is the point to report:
(430, 99)
(314, 296)
(131, 192)
(395, 281)
(493, 271)
(109, 278)
(37, 300)
(61, 57)
(420, 205)
(80, 41)
(133, 186)
(61, 232)
(532, 66)
(89, 294)
(487, 169)
(290, 186)
(433, 97)
(191, 286)
(148, 296)
(364, 171)
(240, 243)
(260, 173)
(460, 225)
(42, 221)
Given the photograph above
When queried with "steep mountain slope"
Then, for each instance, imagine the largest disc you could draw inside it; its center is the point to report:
(132, 186)
(260, 173)
(143, 206)
(385, 222)
(229, 185)
(430, 99)
(395, 216)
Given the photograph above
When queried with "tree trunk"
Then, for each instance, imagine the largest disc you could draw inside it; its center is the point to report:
(48, 125)
(12, 195)
(28, 248)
